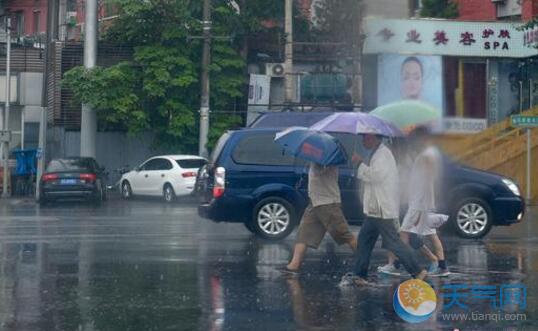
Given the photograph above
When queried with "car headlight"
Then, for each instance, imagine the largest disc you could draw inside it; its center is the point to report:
(512, 186)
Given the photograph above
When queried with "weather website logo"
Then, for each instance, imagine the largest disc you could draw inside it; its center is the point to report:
(414, 301)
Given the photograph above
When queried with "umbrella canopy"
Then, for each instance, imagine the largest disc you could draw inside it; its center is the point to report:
(357, 123)
(407, 114)
(314, 146)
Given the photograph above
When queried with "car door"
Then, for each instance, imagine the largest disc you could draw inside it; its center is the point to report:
(161, 176)
(141, 181)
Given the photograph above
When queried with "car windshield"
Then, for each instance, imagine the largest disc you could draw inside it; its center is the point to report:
(63, 165)
(191, 163)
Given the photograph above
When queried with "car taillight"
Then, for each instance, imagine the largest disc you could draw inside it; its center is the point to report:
(219, 184)
(90, 178)
(49, 177)
(188, 174)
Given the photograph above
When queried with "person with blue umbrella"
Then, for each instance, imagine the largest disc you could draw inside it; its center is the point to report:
(324, 212)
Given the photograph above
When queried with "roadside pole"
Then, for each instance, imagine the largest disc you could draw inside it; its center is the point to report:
(6, 135)
(527, 122)
(288, 53)
(529, 163)
(88, 126)
(206, 59)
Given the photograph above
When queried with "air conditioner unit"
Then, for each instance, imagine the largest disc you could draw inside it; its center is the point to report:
(275, 69)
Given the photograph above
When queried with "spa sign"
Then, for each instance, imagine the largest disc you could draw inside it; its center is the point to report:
(443, 37)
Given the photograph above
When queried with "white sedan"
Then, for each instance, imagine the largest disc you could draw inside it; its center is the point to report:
(168, 176)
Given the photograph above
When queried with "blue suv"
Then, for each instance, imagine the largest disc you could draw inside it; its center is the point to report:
(251, 181)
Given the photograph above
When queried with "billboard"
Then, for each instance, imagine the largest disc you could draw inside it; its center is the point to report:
(258, 96)
(403, 77)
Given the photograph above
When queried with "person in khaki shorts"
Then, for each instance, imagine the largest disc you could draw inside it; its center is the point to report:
(323, 214)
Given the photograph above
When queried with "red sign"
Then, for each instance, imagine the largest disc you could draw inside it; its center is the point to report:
(504, 34)
(413, 37)
(386, 34)
(440, 38)
(467, 39)
(487, 33)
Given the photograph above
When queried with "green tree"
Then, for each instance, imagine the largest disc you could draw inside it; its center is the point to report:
(159, 89)
(439, 9)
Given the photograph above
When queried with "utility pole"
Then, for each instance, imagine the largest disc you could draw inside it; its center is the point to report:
(357, 45)
(88, 126)
(206, 60)
(5, 123)
(51, 36)
(288, 53)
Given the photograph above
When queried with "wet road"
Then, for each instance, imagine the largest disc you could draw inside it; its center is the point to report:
(144, 265)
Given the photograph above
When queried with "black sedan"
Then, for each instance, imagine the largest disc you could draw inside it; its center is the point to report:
(77, 177)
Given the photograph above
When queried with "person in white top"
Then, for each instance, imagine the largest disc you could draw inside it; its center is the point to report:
(425, 178)
(405, 162)
(381, 207)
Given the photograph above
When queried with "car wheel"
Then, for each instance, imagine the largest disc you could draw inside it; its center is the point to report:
(126, 191)
(472, 218)
(168, 193)
(274, 218)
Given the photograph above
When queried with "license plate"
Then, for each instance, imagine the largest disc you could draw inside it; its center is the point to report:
(68, 181)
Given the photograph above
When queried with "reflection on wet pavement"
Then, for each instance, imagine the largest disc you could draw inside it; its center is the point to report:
(143, 265)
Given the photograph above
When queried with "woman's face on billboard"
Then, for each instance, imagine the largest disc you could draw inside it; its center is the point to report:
(411, 80)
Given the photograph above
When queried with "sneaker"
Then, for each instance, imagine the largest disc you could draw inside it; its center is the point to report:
(389, 269)
(433, 268)
(444, 272)
(439, 272)
(347, 280)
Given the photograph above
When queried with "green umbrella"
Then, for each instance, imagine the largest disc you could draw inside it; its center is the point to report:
(407, 114)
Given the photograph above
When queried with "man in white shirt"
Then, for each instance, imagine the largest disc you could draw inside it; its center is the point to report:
(381, 207)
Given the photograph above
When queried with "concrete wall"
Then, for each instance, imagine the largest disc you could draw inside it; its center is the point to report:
(114, 149)
(31, 86)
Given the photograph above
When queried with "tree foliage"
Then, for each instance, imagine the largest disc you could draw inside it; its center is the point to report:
(159, 89)
(439, 9)
(337, 20)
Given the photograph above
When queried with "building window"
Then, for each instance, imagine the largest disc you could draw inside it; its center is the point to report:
(37, 22)
(18, 24)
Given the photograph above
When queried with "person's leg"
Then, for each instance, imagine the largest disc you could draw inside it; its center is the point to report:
(335, 223)
(416, 243)
(402, 251)
(310, 234)
(366, 240)
(429, 254)
(299, 252)
(439, 250)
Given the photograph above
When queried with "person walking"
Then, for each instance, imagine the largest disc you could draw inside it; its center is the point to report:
(404, 161)
(323, 214)
(425, 178)
(381, 208)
